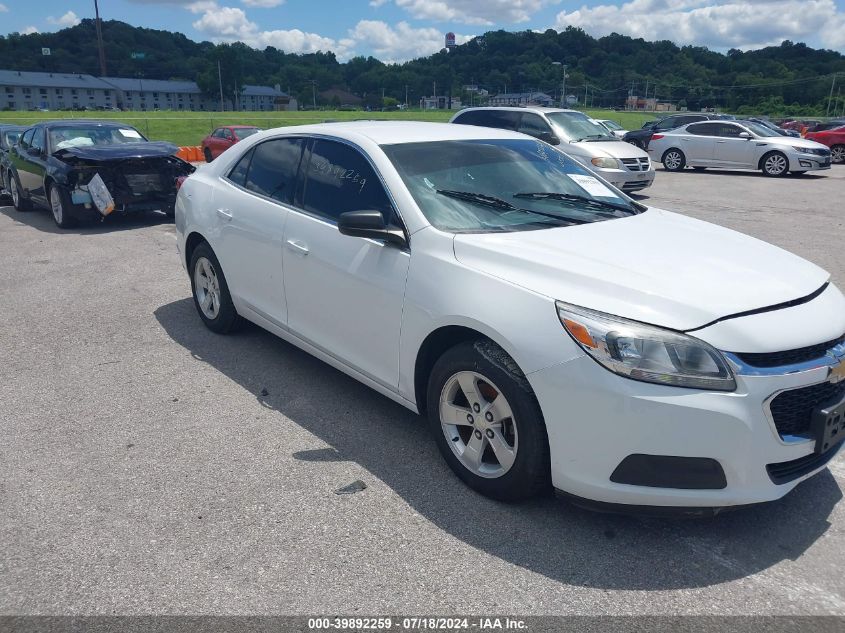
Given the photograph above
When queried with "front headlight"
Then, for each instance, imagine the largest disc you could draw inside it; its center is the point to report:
(802, 150)
(606, 163)
(646, 353)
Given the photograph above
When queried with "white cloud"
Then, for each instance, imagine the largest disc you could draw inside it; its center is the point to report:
(230, 24)
(402, 42)
(486, 12)
(263, 4)
(29, 30)
(3, 8)
(713, 23)
(68, 19)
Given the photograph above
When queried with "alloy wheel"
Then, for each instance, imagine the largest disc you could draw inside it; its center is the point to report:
(775, 165)
(672, 160)
(207, 288)
(16, 195)
(479, 424)
(837, 154)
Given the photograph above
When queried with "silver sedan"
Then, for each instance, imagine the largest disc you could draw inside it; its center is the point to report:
(734, 145)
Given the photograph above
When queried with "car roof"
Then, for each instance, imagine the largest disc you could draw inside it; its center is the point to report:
(538, 109)
(7, 127)
(396, 132)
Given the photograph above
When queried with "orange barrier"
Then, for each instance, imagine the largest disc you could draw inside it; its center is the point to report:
(192, 154)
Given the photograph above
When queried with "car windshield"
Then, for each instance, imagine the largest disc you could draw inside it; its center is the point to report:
(243, 132)
(503, 185)
(65, 137)
(613, 125)
(759, 129)
(579, 127)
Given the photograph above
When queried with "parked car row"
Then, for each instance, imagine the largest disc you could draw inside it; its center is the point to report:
(554, 332)
(84, 170)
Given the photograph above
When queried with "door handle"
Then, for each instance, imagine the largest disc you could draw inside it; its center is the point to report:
(225, 214)
(721, 141)
(298, 246)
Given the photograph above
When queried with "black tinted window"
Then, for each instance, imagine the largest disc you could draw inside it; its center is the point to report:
(502, 119)
(728, 130)
(238, 174)
(704, 129)
(339, 180)
(533, 124)
(38, 139)
(272, 171)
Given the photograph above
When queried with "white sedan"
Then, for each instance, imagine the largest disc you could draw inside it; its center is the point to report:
(736, 145)
(554, 332)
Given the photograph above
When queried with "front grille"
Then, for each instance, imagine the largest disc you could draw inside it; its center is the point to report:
(792, 410)
(792, 356)
(784, 472)
(637, 164)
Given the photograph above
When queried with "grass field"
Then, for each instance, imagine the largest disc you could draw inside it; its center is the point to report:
(189, 128)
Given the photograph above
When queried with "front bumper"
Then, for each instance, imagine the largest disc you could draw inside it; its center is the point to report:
(627, 180)
(808, 162)
(596, 419)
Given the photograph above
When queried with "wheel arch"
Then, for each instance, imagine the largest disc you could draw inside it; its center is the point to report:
(434, 345)
(669, 149)
(194, 239)
(769, 153)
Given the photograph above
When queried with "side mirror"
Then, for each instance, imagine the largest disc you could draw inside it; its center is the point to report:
(548, 137)
(33, 151)
(369, 224)
(745, 135)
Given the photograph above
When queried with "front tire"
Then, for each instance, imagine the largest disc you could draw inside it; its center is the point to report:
(211, 292)
(774, 164)
(674, 160)
(207, 153)
(60, 205)
(487, 423)
(837, 154)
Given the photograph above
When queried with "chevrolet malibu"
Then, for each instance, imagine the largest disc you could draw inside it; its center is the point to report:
(552, 331)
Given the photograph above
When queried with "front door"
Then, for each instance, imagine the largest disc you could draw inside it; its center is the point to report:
(344, 294)
(731, 150)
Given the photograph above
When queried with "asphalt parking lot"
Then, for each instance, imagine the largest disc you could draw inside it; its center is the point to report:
(150, 466)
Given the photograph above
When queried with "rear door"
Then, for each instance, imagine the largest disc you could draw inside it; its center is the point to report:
(345, 294)
(252, 208)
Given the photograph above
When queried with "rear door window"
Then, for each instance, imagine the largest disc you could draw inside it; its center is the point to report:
(39, 139)
(704, 129)
(238, 174)
(274, 167)
(340, 179)
(502, 119)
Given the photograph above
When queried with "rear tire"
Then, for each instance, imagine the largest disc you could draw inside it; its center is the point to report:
(497, 444)
(837, 154)
(207, 153)
(774, 164)
(211, 292)
(674, 160)
(18, 201)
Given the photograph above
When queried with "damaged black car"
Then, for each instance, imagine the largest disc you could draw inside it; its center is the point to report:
(9, 135)
(87, 170)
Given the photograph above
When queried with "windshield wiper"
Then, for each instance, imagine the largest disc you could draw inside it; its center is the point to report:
(553, 195)
(503, 205)
(592, 137)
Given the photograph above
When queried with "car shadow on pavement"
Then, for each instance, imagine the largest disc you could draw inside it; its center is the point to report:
(711, 171)
(42, 220)
(547, 536)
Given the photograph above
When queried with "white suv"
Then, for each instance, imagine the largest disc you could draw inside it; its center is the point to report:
(625, 166)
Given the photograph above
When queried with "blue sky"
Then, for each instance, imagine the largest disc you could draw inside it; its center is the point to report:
(397, 30)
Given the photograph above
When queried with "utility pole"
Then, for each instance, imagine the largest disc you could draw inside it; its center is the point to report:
(830, 98)
(98, 27)
(562, 83)
(313, 83)
(406, 95)
(586, 85)
(220, 83)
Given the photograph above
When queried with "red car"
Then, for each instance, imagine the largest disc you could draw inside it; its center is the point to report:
(223, 138)
(834, 139)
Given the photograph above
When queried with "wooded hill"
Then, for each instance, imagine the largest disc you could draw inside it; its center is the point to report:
(788, 79)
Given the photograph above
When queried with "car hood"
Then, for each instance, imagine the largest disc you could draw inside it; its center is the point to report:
(656, 267)
(792, 141)
(154, 149)
(615, 149)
